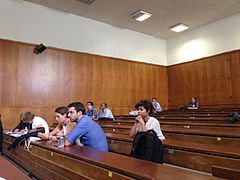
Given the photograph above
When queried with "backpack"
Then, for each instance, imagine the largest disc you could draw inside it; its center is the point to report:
(147, 146)
(233, 117)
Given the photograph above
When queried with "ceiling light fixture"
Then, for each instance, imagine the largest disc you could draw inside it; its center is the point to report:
(89, 2)
(179, 27)
(141, 15)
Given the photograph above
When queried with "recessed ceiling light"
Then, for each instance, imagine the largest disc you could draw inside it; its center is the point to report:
(141, 15)
(179, 27)
(89, 2)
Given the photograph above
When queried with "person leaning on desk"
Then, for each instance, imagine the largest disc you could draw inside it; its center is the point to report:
(29, 121)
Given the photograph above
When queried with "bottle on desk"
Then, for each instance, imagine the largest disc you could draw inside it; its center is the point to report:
(25, 130)
(61, 142)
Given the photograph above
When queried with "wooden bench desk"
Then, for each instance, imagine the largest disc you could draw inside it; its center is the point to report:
(9, 171)
(177, 122)
(186, 154)
(46, 161)
(206, 131)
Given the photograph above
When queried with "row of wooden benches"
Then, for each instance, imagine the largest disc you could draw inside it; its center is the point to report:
(230, 132)
(192, 155)
(179, 122)
(189, 118)
(203, 145)
(189, 113)
(46, 161)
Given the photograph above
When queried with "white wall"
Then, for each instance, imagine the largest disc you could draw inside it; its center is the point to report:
(26, 22)
(215, 38)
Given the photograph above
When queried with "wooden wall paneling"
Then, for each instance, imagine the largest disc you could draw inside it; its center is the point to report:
(79, 77)
(98, 77)
(138, 83)
(108, 82)
(125, 87)
(171, 90)
(177, 86)
(208, 79)
(163, 76)
(159, 85)
(58, 78)
(25, 70)
(153, 84)
(235, 76)
(9, 73)
(129, 83)
(205, 90)
(132, 82)
(125, 84)
(206, 94)
(143, 85)
(40, 83)
(181, 85)
(188, 82)
(221, 79)
(114, 96)
(38, 76)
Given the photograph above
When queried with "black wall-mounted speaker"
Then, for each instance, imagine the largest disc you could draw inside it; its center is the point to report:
(39, 49)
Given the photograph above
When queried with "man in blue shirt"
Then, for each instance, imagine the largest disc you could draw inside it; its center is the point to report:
(88, 131)
(92, 112)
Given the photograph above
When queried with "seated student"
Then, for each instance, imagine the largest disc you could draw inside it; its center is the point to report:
(156, 105)
(30, 121)
(144, 121)
(21, 126)
(91, 111)
(64, 125)
(194, 104)
(88, 131)
(105, 113)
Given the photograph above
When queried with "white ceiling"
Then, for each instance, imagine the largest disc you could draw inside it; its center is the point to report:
(165, 13)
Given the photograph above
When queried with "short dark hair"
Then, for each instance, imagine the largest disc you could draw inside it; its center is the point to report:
(78, 107)
(105, 104)
(194, 98)
(146, 104)
(154, 98)
(62, 110)
(90, 102)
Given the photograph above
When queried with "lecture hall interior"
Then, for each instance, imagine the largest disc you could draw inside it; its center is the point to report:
(65, 64)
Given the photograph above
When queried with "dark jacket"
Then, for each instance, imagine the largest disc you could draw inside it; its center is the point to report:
(22, 125)
(196, 104)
